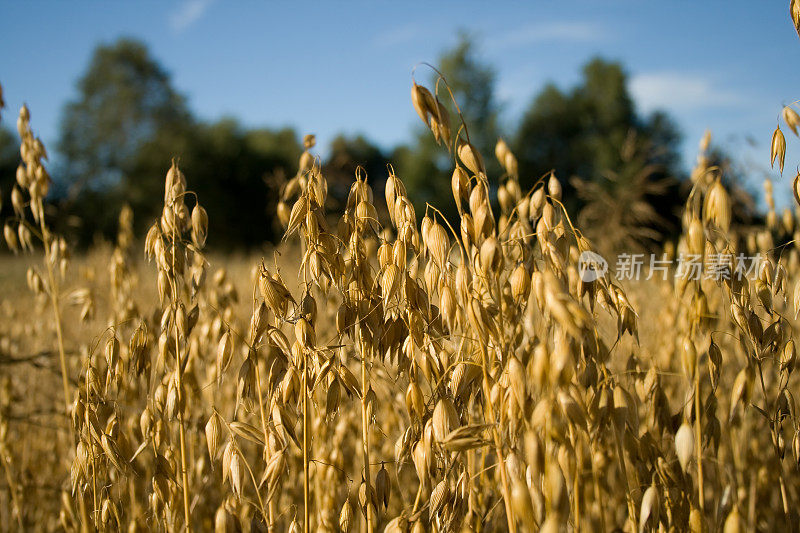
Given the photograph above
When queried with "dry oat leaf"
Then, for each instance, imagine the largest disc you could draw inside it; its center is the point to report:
(283, 419)
(324, 369)
(349, 381)
(142, 447)
(278, 339)
(247, 431)
(272, 474)
(465, 438)
(112, 453)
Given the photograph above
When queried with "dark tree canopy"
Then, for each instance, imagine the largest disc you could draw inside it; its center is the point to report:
(345, 156)
(128, 122)
(119, 136)
(592, 138)
(9, 159)
(125, 100)
(578, 132)
(233, 170)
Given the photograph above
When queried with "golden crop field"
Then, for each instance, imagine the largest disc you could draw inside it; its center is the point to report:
(403, 372)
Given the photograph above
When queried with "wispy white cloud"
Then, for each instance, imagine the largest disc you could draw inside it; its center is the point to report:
(397, 36)
(680, 91)
(189, 12)
(553, 31)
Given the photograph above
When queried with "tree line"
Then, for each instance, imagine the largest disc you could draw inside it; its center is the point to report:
(118, 136)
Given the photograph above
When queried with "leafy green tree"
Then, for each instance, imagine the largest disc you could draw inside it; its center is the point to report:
(424, 166)
(234, 172)
(126, 109)
(119, 136)
(125, 100)
(577, 132)
(9, 159)
(346, 155)
(593, 138)
(620, 206)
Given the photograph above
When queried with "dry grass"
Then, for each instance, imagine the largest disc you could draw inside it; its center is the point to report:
(399, 375)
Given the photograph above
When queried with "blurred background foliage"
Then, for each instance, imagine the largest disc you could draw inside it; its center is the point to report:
(620, 171)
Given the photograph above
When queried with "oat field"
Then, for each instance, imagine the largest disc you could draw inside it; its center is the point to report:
(398, 373)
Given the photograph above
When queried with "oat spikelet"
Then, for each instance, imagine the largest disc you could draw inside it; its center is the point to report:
(777, 149)
(684, 445)
(791, 118)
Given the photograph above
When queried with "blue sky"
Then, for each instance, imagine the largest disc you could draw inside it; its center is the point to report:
(345, 66)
